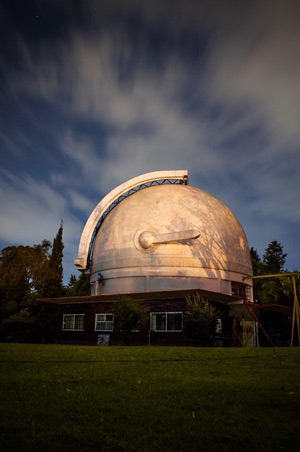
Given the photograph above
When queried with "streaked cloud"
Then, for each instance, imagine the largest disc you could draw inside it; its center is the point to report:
(141, 86)
(31, 211)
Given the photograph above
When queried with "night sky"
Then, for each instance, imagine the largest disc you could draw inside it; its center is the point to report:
(93, 93)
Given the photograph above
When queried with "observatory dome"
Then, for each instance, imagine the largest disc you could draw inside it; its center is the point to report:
(169, 236)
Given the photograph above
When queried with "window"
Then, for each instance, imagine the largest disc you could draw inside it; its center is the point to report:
(74, 322)
(166, 321)
(241, 291)
(104, 322)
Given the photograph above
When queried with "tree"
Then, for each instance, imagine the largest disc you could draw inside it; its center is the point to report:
(27, 272)
(72, 281)
(200, 320)
(53, 286)
(77, 287)
(129, 315)
(258, 269)
(272, 290)
(255, 261)
(274, 258)
(19, 326)
(39, 265)
(14, 274)
(22, 273)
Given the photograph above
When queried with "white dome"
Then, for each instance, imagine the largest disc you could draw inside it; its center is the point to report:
(169, 237)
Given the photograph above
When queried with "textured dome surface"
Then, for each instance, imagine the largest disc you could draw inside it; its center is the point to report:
(175, 236)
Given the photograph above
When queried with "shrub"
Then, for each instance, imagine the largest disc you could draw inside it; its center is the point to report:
(129, 315)
(200, 320)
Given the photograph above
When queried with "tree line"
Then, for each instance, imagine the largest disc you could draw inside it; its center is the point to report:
(31, 272)
(28, 273)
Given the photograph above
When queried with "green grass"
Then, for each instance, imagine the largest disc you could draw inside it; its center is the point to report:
(69, 398)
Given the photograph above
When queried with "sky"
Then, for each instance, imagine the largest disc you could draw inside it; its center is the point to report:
(93, 93)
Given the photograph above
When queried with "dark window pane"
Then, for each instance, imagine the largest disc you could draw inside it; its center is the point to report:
(160, 322)
(239, 290)
(174, 321)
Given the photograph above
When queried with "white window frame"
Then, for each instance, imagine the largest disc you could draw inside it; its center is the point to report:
(107, 324)
(73, 322)
(165, 330)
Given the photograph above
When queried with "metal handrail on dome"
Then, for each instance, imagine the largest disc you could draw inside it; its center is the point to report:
(86, 245)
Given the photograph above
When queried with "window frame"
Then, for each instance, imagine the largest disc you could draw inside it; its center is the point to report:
(241, 290)
(104, 321)
(166, 330)
(73, 323)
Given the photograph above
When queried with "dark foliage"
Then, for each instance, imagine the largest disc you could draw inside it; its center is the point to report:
(26, 273)
(80, 286)
(258, 269)
(129, 315)
(271, 290)
(200, 320)
(53, 286)
(274, 258)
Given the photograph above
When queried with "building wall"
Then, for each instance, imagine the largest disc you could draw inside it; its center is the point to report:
(90, 337)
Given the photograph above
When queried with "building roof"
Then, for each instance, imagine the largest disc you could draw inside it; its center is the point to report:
(147, 296)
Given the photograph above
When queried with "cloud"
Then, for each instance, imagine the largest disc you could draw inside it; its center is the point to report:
(255, 62)
(225, 107)
(82, 152)
(31, 211)
(147, 118)
(251, 61)
(80, 202)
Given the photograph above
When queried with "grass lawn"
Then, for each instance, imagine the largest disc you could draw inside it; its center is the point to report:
(69, 398)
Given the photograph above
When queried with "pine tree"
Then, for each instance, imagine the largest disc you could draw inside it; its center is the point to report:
(273, 262)
(274, 258)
